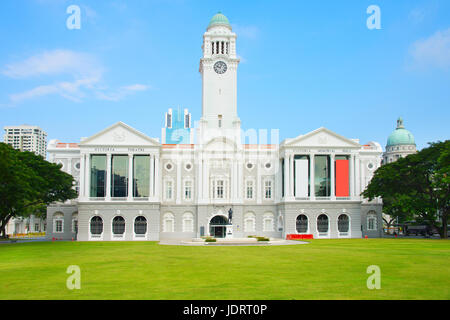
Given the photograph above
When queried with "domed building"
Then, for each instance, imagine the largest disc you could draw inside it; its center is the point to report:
(400, 144)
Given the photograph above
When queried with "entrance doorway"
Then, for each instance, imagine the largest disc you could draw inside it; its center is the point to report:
(218, 227)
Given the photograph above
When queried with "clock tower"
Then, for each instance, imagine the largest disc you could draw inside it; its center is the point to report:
(218, 68)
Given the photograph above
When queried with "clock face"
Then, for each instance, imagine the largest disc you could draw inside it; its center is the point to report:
(220, 67)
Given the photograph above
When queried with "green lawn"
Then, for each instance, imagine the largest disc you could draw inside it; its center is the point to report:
(323, 269)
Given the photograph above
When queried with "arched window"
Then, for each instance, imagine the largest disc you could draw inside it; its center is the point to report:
(118, 226)
(58, 222)
(96, 226)
(268, 222)
(168, 222)
(343, 223)
(140, 226)
(372, 224)
(322, 223)
(249, 222)
(302, 224)
(188, 222)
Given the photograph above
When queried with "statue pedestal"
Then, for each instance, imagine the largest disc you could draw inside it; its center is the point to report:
(229, 232)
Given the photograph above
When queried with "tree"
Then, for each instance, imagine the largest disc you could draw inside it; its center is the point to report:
(417, 185)
(28, 183)
(394, 209)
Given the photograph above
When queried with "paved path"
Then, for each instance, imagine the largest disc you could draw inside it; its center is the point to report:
(189, 242)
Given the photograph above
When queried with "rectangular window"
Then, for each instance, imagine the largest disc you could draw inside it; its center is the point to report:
(188, 190)
(59, 224)
(75, 226)
(168, 190)
(169, 120)
(98, 176)
(187, 122)
(268, 189)
(141, 176)
(220, 121)
(322, 176)
(219, 186)
(249, 189)
(36, 227)
(301, 178)
(119, 176)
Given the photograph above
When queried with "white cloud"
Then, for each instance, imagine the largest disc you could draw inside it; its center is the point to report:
(84, 68)
(251, 32)
(432, 52)
(53, 63)
(121, 92)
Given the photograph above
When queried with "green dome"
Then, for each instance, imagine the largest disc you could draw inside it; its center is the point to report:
(219, 19)
(400, 135)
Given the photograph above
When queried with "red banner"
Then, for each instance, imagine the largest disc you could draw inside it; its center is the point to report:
(342, 178)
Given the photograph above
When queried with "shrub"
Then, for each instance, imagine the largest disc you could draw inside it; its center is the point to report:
(262, 239)
(210, 240)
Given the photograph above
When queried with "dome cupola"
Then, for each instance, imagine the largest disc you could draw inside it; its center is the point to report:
(400, 136)
(219, 20)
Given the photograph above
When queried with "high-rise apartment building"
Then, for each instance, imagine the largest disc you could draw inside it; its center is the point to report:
(27, 138)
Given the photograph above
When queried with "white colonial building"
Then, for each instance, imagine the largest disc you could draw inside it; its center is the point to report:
(132, 187)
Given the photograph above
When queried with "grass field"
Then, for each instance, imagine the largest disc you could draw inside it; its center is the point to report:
(322, 269)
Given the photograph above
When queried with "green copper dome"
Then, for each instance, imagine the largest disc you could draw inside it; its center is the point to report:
(400, 135)
(219, 19)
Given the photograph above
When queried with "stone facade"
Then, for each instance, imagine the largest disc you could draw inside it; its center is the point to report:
(132, 187)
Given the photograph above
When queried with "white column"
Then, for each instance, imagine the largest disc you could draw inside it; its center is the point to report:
(233, 180)
(240, 180)
(352, 176)
(206, 184)
(200, 178)
(70, 166)
(332, 177)
(130, 177)
(157, 179)
(359, 179)
(82, 176)
(88, 176)
(108, 177)
(277, 182)
(258, 182)
(312, 195)
(152, 174)
(286, 177)
(291, 176)
(179, 188)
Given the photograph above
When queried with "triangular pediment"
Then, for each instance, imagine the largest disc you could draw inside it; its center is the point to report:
(119, 134)
(221, 144)
(321, 137)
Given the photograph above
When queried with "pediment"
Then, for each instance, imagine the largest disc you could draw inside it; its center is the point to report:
(119, 134)
(321, 137)
(221, 144)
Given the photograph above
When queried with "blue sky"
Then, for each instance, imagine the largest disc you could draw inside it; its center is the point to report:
(304, 64)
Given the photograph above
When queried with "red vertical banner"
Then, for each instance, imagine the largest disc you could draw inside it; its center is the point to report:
(342, 178)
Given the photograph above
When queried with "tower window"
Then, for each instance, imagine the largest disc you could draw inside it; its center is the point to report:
(223, 47)
(220, 121)
(169, 120)
(187, 122)
(227, 45)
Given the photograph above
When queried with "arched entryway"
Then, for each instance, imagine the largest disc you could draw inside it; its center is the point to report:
(218, 226)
